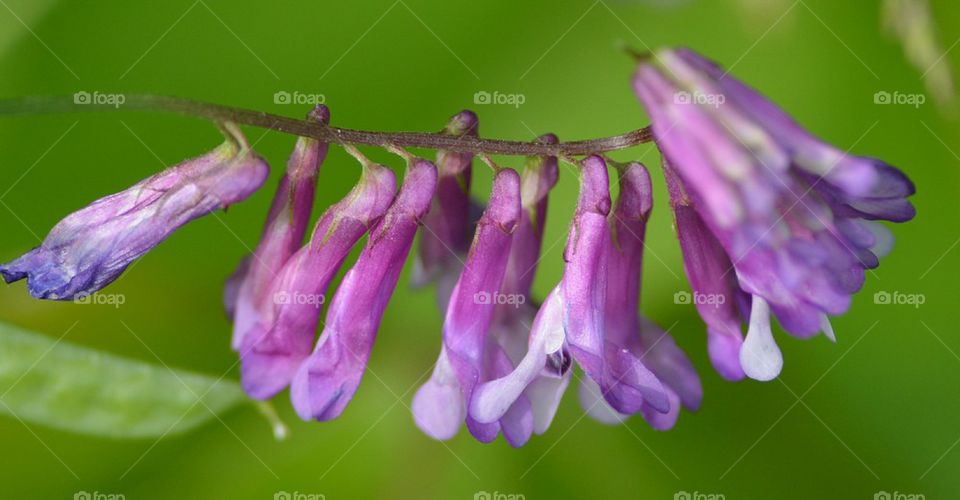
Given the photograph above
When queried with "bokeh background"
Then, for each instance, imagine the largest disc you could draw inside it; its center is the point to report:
(878, 411)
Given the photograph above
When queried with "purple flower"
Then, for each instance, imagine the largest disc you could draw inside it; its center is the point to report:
(327, 380)
(91, 247)
(577, 320)
(445, 237)
(654, 349)
(708, 268)
(282, 335)
(789, 212)
(247, 291)
(517, 310)
(470, 355)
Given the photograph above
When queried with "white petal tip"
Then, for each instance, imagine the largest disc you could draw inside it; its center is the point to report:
(759, 355)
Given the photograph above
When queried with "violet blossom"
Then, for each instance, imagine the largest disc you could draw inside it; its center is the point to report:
(792, 214)
(91, 247)
(282, 337)
(326, 381)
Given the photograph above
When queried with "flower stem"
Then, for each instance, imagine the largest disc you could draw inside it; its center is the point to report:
(216, 112)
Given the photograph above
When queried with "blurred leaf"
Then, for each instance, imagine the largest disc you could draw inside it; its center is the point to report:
(83, 390)
(13, 27)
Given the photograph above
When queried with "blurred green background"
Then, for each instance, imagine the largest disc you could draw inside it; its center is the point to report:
(879, 410)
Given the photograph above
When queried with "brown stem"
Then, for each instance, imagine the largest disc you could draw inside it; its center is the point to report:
(146, 102)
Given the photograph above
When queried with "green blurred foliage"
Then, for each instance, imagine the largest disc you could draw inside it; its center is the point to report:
(877, 411)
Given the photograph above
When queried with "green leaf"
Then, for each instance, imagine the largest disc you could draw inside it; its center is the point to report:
(87, 391)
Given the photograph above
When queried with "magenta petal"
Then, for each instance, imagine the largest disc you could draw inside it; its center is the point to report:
(283, 338)
(471, 311)
(327, 380)
(446, 228)
(585, 273)
(711, 275)
(282, 234)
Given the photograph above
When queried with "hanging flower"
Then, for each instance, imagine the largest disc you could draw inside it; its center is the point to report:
(91, 247)
(791, 213)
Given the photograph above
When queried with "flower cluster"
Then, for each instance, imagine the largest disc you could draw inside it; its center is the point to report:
(770, 219)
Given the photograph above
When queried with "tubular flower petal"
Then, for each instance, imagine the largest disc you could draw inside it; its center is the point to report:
(327, 380)
(711, 275)
(466, 359)
(282, 234)
(283, 336)
(654, 350)
(91, 247)
(786, 209)
(445, 238)
(613, 341)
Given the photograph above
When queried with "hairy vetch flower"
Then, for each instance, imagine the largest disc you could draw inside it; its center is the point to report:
(273, 348)
(591, 316)
(624, 329)
(469, 355)
(91, 247)
(247, 291)
(446, 234)
(792, 214)
(327, 380)
(770, 219)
